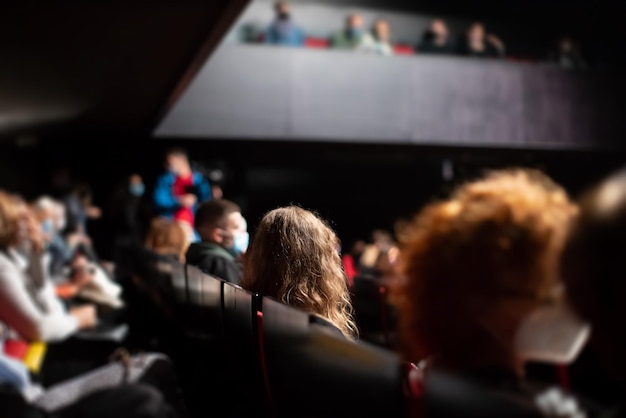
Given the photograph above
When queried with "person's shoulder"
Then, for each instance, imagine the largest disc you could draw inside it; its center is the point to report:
(166, 177)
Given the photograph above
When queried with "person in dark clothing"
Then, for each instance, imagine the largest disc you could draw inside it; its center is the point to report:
(436, 39)
(567, 55)
(222, 230)
(130, 212)
(479, 44)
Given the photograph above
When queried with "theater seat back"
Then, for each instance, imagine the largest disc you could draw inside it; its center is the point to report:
(316, 373)
(203, 311)
(447, 396)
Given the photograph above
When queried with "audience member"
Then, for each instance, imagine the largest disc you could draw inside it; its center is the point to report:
(567, 55)
(378, 257)
(28, 304)
(293, 258)
(476, 267)
(20, 397)
(351, 36)
(129, 212)
(594, 269)
(283, 31)
(378, 41)
(51, 216)
(167, 238)
(180, 190)
(477, 43)
(436, 39)
(224, 237)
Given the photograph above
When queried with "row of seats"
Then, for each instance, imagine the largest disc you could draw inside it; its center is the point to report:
(268, 359)
(280, 356)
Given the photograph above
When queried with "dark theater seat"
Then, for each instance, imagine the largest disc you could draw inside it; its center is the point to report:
(447, 396)
(203, 306)
(318, 373)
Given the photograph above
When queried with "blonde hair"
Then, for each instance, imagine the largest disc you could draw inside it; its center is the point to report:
(9, 219)
(293, 258)
(464, 260)
(167, 237)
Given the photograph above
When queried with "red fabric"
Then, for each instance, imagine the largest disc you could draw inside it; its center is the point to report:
(261, 344)
(348, 267)
(316, 43)
(181, 185)
(403, 49)
(16, 349)
(563, 377)
(413, 387)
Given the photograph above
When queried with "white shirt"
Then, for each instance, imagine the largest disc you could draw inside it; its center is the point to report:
(372, 45)
(28, 304)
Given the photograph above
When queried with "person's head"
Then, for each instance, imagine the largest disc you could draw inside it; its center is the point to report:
(219, 221)
(136, 187)
(45, 210)
(593, 267)
(167, 237)
(382, 239)
(476, 33)
(354, 23)
(11, 220)
(283, 9)
(438, 28)
(382, 30)
(293, 258)
(476, 265)
(177, 161)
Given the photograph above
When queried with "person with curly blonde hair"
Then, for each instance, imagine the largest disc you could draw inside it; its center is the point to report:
(476, 265)
(294, 259)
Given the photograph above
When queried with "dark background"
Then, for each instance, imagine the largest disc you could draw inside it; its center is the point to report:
(356, 187)
(86, 82)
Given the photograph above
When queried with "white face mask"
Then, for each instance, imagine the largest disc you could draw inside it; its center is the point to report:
(551, 334)
(241, 239)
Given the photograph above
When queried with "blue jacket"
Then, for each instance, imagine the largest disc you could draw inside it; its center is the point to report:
(284, 33)
(166, 203)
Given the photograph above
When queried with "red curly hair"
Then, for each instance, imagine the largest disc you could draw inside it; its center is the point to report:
(467, 260)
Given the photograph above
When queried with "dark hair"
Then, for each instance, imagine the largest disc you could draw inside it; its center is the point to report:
(214, 213)
(177, 151)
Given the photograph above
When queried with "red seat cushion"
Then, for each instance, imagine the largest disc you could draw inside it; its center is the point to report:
(316, 43)
(400, 49)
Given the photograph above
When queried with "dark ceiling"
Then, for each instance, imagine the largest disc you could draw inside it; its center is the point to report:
(113, 64)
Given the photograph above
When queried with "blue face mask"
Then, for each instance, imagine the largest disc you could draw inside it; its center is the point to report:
(47, 227)
(137, 189)
(240, 242)
(355, 33)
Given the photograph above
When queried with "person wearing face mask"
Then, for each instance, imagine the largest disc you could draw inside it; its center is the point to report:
(29, 308)
(351, 36)
(129, 213)
(222, 229)
(51, 216)
(436, 39)
(179, 191)
(283, 31)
